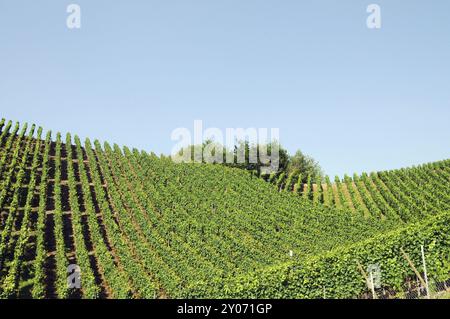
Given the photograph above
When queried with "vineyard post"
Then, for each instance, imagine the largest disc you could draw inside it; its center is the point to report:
(425, 272)
(369, 280)
(411, 264)
(372, 286)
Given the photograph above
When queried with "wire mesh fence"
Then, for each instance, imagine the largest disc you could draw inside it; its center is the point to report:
(418, 286)
(413, 289)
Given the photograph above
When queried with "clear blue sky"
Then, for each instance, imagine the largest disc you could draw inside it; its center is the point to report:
(353, 98)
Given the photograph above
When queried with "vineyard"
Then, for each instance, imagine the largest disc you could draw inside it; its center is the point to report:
(140, 226)
(404, 195)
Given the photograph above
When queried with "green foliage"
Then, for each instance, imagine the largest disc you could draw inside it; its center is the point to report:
(62, 263)
(296, 167)
(143, 226)
(335, 273)
(38, 291)
(305, 165)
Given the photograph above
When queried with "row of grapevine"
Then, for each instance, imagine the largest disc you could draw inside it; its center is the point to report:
(16, 162)
(39, 290)
(6, 149)
(62, 262)
(11, 282)
(89, 287)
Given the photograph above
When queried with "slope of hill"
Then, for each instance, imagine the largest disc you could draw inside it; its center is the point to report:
(139, 226)
(406, 194)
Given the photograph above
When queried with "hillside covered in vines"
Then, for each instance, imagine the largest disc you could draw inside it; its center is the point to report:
(142, 226)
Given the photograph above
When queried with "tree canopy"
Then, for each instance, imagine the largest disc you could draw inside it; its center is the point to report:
(255, 158)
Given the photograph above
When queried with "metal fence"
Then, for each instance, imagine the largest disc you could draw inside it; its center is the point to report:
(419, 286)
(413, 289)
